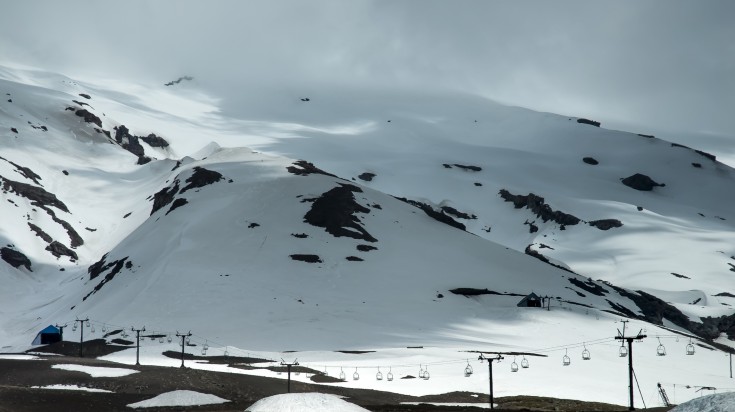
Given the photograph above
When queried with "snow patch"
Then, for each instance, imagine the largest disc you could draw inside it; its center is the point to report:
(96, 371)
(179, 398)
(304, 402)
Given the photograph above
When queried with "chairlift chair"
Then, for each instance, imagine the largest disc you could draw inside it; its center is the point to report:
(227, 353)
(586, 354)
(342, 374)
(92, 329)
(565, 360)
(421, 371)
(524, 363)
(623, 352)
(379, 376)
(104, 329)
(468, 370)
(389, 376)
(204, 351)
(74, 328)
(660, 350)
(206, 345)
(426, 374)
(160, 339)
(355, 376)
(86, 324)
(169, 339)
(514, 365)
(690, 347)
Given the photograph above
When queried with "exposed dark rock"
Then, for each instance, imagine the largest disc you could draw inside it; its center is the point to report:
(154, 141)
(696, 301)
(477, 292)
(253, 225)
(305, 168)
(307, 258)
(179, 80)
(100, 267)
(640, 209)
(368, 177)
(81, 103)
(440, 216)
(590, 160)
(697, 165)
(538, 206)
(732, 267)
(366, 248)
(543, 246)
(164, 196)
(605, 224)
(15, 258)
(335, 211)
(680, 276)
(589, 286)
(354, 259)
(25, 172)
(58, 249)
(40, 233)
(376, 206)
(14, 130)
(471, 168)
(649, 136)
(36, 195)
(177, 204)
(439, 296)
(641, 182)
(85, 95)
(452, 211)
(88, 117)
(305, 99)
(580, 294)
(74, 237)
(447, 166)
(143, 160)
(478, 184)
(588, 121)
(707, 155)
(621, 310)
(539, 256)
(125, 216)
(300, 235)
(725, 294)
(200, 178)
(66, 173)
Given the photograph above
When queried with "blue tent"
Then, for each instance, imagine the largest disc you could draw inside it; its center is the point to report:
(50, 334)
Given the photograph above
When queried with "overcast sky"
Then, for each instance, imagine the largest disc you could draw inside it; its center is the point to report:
(663, 64)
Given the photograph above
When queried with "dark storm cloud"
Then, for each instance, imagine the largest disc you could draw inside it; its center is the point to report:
(660, 64)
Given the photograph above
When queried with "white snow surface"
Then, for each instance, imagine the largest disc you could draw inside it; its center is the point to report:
(718, 402)
(219, 265)
(179, 398)
(72, 388)
(96, 371)
(304, 402)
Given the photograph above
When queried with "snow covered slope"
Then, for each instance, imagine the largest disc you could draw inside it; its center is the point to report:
(351, 219)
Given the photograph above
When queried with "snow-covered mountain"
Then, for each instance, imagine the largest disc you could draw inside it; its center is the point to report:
(353, 219)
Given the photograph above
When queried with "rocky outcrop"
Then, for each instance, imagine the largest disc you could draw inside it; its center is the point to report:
(154, 141)
(15, 258)
(539, 207)
(306, 258)
(588, 121)
(641, 182)
(88, 117)
(112, 269)
(368, 177)
(201, 177)
(605, 224)
(439, 216)
(590, 161)
(58, 249)
(335, 211)
(304, 168)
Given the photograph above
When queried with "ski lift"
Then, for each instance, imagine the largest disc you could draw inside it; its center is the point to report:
(524, 362)
(74, 328)
(227, 353)
(379, 376)
(389, 376)
(160, 339)
(355, 376)
(124, 334)
(86, 324)
(586, 353)
(206, 345)
(426, 374)
(104, 329)
(565, 360)
(690, 347)
(188, 340)
(468, 370)
(204, 351)
(325, 372)
(342, 374)
(514, 365)
(421, 371)
(92, 330)
(169, 339)
(660, 350)
(622, 352)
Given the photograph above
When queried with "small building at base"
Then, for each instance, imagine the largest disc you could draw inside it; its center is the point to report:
(530, 301)
(50, 334)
